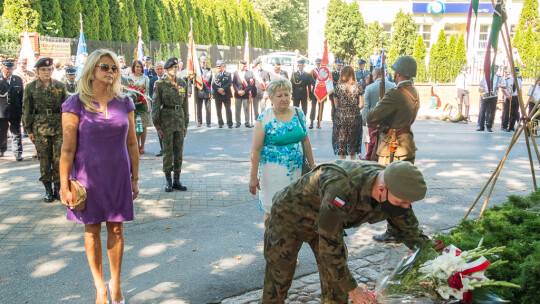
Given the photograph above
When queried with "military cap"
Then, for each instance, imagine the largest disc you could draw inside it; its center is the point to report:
(242, 61)
(301, 62)
(203, 59)
(23, 61)
(361, 61)
(74, 58)
(405, 65)
(496, 67)
(464, 68)
(257, 61)
(179, 60)
(277, 63)
(507, 71)
(36, 53)
(318, 60)
(517, 70)
(148, 59)
(121, 58)
(339, 62)
(71, 71)
(405, 181)
(220, 63)
(44, 62)
(8, 64)
(170, 62)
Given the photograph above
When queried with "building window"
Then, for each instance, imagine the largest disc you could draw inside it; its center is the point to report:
(513, 30)
(387, 30)
(452, 29)
(483, 37)
(424, 30)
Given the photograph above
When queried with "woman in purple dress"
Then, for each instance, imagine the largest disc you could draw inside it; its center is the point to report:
(100, 150)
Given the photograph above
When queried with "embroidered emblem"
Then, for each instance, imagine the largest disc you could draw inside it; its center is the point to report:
(339, 202)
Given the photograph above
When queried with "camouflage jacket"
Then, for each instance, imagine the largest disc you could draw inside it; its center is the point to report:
(313, 202)
(396, 110)
(39, 98)
(167, 95)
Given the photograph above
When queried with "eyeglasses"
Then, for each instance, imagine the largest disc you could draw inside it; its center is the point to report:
(105, 67)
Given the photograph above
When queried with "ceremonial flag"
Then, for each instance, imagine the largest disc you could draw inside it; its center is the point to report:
(325, 85)
(27, 52)
(499, 17)
(380, 61)
(140, 51)
(82, 52)
(193, 65)
(472, 7)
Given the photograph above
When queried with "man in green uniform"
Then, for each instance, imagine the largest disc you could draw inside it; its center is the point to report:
(318, 207)
(42, 118)
(171, 118)
(71, 84)
(394, 115)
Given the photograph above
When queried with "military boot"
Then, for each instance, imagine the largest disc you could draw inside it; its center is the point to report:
(48, 192)
(318, 124)
(177, 184)
(168, 184)
(387, 237)
(311, 125)
(56, 193)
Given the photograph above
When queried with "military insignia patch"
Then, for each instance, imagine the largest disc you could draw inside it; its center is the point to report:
(339, 202)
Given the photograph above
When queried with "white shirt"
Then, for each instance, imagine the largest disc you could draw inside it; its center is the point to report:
(535, 94)
(463, 82)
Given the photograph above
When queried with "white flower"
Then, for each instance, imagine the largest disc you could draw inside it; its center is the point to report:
(443, 266)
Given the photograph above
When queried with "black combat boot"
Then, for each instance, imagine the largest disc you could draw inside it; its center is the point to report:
(56, 193)
(311, 125)
(48, 192)
(387, 237)
(168, 183)
(177, 184)
(318, 124)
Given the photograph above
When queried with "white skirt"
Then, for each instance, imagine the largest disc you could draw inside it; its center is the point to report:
(272, 178)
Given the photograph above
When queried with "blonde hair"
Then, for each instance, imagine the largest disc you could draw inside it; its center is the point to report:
(84, 85)
(278, 83)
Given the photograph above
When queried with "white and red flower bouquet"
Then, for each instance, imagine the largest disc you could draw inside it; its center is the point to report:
(450, 276)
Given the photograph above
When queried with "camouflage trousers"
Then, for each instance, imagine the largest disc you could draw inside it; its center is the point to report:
(48, 150)
(385, 160)
(173, 150)
(280, 254)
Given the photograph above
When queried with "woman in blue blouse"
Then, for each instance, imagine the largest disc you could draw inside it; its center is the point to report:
(276, 155)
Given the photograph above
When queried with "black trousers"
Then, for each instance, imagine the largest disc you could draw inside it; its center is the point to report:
(333, 112)
(505, 113)
(228, 112)
(316, 109)
(16, 137)
(303, 102)
(514, 113)
(207, 108)
(487, 112)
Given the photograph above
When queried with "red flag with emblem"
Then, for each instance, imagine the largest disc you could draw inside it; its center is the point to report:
(325, 85)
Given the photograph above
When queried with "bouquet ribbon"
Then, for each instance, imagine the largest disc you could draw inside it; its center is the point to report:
(475, 266)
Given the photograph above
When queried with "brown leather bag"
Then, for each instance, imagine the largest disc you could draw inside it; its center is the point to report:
(78, 194)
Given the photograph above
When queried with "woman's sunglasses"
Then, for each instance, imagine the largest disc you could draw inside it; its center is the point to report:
(105, 67)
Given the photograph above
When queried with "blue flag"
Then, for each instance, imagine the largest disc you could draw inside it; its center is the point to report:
(82, 54)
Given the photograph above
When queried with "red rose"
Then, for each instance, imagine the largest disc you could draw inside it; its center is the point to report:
(467, 297)
(454, 281)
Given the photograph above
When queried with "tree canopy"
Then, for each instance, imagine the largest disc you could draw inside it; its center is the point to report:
(345, 30)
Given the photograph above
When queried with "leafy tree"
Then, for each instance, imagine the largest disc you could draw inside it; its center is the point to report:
(105, 31)
(437, 57)
(70, 18)
(528, 54)
(141, 18)
(117, 13)
(403, 35)
(345, 30)
(374, 39)
(461, 51)
(155, 26)
(52, 16)
(1, 7)
(16, 11)
(419, 54)
(132, 30)
(529, 15)
(90, 12)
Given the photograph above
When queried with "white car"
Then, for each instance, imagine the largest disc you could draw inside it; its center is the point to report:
(288, 60)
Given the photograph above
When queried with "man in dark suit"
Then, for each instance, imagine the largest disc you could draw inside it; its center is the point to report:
(11, 97)
(314, 100)
(204, 95)
(243, 83)
(148, 69)
(301, 86)
(221, 90)
(262, 79)
(182, 73)
(335, 79)
(160, 73)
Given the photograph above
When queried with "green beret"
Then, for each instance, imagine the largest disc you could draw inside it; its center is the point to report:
(405, 181)
(170, 63)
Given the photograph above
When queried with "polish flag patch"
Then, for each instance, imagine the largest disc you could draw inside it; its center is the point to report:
(339, 202)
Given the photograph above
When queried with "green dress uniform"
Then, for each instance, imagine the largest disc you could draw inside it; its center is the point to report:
(317, 209)
(42, 116)
(397, 110)
(170, 115)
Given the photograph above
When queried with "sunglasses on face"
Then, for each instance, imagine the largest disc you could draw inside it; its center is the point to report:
(105, 67)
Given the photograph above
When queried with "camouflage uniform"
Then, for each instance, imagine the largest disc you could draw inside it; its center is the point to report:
(170, 115)
(397, 110)
(306, 212)
(42, 116)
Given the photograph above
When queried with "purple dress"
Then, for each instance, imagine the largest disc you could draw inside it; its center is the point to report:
(102, 163)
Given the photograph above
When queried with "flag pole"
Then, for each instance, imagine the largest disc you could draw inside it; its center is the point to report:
(81, 21)
(192, 46)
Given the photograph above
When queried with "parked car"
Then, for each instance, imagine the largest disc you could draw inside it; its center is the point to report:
(288, 61)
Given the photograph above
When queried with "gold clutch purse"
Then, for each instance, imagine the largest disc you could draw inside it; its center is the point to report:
(78, 194)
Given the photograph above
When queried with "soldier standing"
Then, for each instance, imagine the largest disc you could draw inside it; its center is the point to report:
(11, 101)
(301, 86)
(335, 79)
(204, 95)
(394, 115)
(362, 73)
(317, 209)
(262, 79)
(221, 90)
(71, 84)
(314, 100)
(171, 117)
(148, 69)
(42, 118)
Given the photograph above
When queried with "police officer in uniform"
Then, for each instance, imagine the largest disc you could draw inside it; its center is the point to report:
(394, 115)
(318, 207)
(171, 117)
(148, 69)
(221, 90)
(71, 84)
(362, 73)
(11, 101)
(204, 95)
(301, 86)
(42, 118)
(314, 100)
(335, 79)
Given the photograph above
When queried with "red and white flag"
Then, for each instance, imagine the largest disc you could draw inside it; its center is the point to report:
(325, 85)
(339, 202)
(193, 65)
